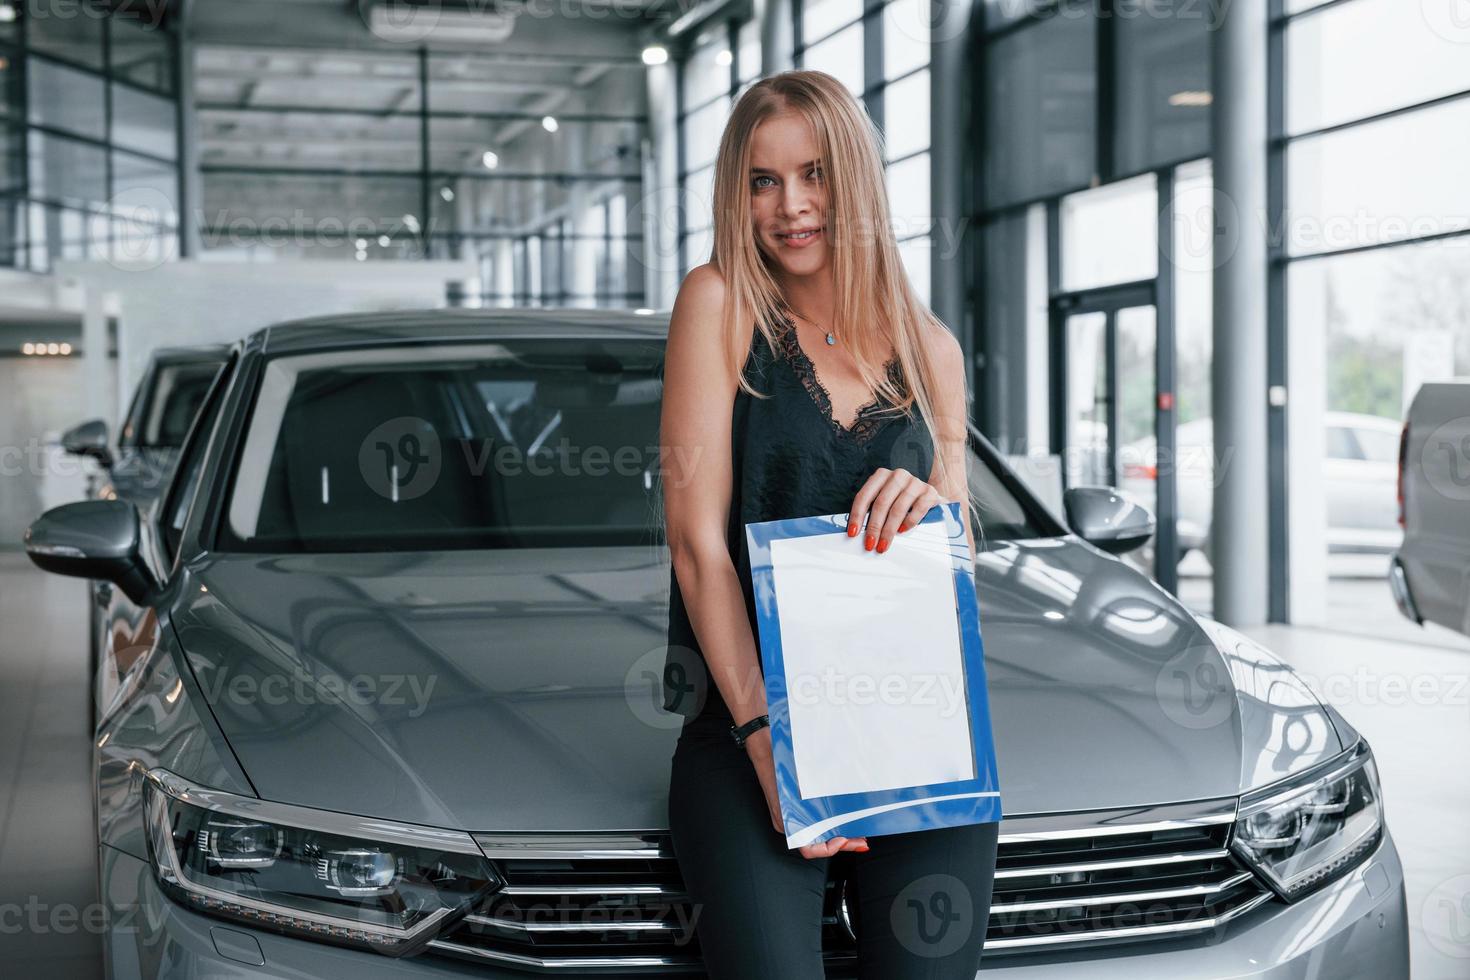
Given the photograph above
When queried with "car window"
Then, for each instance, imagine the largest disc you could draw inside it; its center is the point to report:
(190, 465)
(1003, 514)
(1378, 445)
(133, 421)
(177, 393)
(527, 443)
(518, 444)
(1341, 444)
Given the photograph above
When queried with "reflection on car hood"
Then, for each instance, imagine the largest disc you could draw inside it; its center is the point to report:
(516, 690)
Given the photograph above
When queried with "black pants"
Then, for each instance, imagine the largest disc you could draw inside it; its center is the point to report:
(923, 898)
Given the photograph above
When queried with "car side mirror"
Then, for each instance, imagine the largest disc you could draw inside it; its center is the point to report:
(88, 439)
(93, 539)
(1103, 517)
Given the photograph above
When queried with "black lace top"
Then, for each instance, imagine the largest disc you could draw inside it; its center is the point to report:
(790, 458)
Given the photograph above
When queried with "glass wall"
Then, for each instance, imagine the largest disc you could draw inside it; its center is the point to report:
(881, 54)
(89, 154)
(709, 76)
(1377, 243)
(431, 154)
(1091, 127)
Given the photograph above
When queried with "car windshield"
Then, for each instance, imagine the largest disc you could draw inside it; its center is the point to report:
(516, 444)
(172, 404)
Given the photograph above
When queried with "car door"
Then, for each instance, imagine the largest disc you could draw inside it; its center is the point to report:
(131, 630)
(1360, 472)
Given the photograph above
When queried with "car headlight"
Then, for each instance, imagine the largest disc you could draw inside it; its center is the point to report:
(1304, 832)
(313, 873)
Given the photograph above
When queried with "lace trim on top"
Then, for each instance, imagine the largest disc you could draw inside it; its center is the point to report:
(867, 422)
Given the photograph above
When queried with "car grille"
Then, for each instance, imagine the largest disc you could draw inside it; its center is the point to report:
(609, 902)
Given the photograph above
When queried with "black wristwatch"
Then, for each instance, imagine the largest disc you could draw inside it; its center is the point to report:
(741, 732)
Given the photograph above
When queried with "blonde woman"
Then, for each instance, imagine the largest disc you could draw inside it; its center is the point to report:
(803, 377)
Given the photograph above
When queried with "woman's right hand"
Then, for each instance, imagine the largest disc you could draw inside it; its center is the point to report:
(758, 747)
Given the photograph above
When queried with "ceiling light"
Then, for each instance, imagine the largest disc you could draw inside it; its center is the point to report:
(27, 348)
(7, 13)
(361, 244)
(447, 193)
(548, 123)
(655, 54)
(1191, 99)
(411, 223)
(490, 159)
(361, 255)
(53, 348)
(66, 348)
(384, 241)
(643, 311)
(724, 57)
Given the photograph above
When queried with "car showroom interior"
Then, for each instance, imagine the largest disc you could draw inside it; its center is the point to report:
(292, 685)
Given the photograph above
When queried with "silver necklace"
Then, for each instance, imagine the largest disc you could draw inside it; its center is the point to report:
(831, 338)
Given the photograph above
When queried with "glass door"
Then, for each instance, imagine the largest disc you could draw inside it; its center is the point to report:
(1105, 357)
(1087, 445)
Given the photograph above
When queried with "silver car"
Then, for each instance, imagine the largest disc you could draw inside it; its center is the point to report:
(1358, 481)
(387, 674)
(1427, 575)
(138, 467)
(162, 407)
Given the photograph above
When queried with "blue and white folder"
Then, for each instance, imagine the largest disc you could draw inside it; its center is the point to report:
(874, 676)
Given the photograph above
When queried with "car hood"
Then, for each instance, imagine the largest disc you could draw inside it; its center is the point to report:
(517, 690)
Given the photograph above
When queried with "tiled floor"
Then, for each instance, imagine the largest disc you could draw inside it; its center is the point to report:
(48, 880)
(1407, 690)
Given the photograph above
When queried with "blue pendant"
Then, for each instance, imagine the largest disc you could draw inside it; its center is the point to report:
(831, 340)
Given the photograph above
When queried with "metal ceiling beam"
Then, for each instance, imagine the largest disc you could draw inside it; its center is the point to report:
(590, 117)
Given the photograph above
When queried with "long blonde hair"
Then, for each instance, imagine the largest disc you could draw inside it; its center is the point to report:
(874, 297)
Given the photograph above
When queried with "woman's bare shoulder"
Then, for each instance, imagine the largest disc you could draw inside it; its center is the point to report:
(696, 346)
(699, 309)
(702, 292)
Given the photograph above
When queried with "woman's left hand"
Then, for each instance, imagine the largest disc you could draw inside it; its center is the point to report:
(892, 501)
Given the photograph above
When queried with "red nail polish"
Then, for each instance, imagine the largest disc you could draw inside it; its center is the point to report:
(868, 544)
(882, 547)
(852, 530)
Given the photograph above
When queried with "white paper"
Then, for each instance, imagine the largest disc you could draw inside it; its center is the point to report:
(873, 660)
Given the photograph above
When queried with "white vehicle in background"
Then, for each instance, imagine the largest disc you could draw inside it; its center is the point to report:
(1359, 478)
(1430, 572)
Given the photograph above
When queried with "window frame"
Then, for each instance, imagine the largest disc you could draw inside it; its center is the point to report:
(196, 445)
